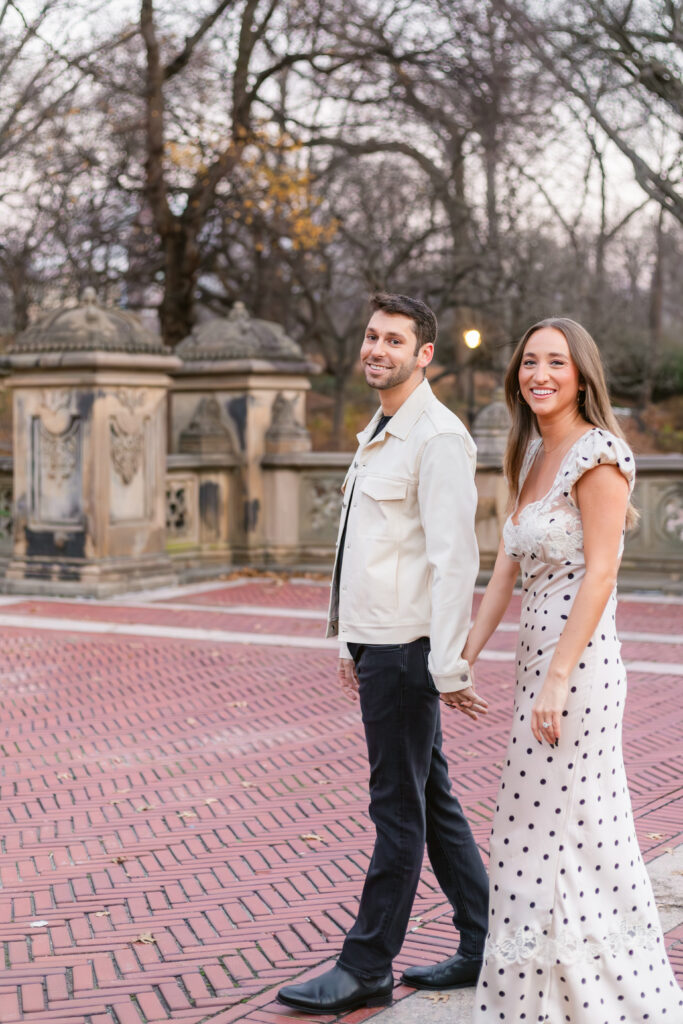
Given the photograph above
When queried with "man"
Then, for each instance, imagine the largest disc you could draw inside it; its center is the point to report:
(401, 599)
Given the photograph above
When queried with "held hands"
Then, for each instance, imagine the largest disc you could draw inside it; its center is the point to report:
(546, 715)
(467, 701)
(348, 679)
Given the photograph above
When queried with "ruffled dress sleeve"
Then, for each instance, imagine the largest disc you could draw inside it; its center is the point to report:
(599, 447)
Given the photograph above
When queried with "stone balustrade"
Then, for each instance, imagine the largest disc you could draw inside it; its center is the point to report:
(302, 500)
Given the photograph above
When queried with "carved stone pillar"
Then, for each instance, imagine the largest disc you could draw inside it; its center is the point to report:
(90, 388)
(242, 386)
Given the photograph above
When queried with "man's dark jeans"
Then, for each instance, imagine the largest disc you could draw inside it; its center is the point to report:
(410, 802)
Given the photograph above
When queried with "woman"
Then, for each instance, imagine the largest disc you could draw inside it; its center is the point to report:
(574, 936)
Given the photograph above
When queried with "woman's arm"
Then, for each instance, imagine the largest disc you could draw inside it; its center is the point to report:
(602, 496)
(493, 604)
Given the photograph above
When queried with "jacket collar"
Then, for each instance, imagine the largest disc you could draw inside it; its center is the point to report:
(405, 417)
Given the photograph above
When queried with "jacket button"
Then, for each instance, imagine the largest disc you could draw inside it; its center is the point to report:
(464, 678)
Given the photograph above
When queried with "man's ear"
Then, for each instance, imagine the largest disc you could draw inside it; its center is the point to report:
(426, 354)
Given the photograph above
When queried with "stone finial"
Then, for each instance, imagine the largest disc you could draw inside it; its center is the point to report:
(285, 433)
(238, 313)
(207, 432)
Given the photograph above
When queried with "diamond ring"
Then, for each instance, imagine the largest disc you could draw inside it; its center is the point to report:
(545, 725)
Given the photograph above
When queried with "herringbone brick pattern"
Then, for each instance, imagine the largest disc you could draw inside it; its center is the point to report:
(184, 822)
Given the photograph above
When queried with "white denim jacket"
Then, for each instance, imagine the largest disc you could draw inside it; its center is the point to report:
(410, 556)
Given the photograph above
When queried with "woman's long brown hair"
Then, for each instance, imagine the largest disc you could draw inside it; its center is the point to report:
(595, 406)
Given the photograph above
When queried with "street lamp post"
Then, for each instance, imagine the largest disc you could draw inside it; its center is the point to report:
(472, 339)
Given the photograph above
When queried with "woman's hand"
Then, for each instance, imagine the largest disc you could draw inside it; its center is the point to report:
(546, 715)
(467, 701)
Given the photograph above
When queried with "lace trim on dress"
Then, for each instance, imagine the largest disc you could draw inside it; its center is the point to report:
(634, 935)
(550, 529)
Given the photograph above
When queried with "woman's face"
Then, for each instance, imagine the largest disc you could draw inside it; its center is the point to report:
(548, 376)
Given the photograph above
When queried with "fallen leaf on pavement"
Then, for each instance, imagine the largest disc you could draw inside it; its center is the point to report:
(211, 800)
(238, 704)
(655, 835)
(102, 913)
(436, 997)
(145, 937)
(118, 860)
(312, 837)
(144, 807)
(186, 814)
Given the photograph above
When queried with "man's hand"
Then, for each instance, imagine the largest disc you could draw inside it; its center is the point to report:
(467, 701)
(348, 678)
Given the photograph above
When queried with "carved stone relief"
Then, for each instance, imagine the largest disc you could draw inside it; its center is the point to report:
(57, 409)
(56, 472)
(126, 450)
(56, 399)
(59, 452)
(670, 515)
(131, 399)
(321, 502)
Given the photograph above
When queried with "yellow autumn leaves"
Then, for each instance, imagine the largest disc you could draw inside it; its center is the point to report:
(269, 188)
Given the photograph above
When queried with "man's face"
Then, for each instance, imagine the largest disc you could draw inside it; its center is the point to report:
(388, 354)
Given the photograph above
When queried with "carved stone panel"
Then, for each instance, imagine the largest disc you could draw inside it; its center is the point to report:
(127, 471)
(320, 507)
(669, 515)
(56, 492)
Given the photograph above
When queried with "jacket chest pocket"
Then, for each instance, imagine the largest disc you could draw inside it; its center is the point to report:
(383, 505)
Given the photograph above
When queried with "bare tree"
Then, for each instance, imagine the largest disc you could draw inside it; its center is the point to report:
(622, 62)
(269, 37)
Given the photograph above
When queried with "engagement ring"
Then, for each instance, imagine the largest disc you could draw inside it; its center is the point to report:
(545, 725)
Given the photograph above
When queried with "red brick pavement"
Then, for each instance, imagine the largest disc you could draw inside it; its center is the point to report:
(184, 823)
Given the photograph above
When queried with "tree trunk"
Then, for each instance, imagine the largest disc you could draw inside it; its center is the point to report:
(18, 281)
(181, 258)
(340, 379)
(655, 315)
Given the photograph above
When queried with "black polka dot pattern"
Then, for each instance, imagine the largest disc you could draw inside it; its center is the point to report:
(574, 935)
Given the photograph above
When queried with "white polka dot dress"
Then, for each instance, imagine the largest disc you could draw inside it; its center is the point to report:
(574, 935)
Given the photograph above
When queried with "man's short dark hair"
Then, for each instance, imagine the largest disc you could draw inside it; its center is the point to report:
(419, 312)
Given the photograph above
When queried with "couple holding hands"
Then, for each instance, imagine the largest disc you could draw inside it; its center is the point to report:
(569, 933)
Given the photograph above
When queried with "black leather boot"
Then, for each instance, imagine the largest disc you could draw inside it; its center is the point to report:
(456, 972)
(337, 991)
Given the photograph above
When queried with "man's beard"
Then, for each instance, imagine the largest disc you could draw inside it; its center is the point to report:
(397, 377)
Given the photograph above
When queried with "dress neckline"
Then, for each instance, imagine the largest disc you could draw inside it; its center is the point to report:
(517, 511)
